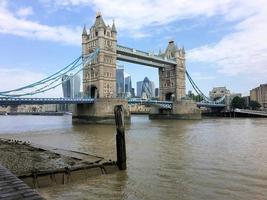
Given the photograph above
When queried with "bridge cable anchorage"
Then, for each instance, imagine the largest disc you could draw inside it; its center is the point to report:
(205, 100)
(47, 83)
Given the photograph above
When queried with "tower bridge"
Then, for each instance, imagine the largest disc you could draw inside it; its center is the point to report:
(100, 53)
(99, 78)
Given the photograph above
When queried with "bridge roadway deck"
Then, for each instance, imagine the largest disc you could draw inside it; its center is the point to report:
(31, 101)
(20, 101)
(211, 105)
(12, 188)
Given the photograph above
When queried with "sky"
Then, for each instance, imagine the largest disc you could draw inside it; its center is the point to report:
(225, 40)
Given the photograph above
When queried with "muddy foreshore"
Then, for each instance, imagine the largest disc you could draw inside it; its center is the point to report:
(44, 166)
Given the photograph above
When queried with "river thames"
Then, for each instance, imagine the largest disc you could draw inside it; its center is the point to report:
(212, 158)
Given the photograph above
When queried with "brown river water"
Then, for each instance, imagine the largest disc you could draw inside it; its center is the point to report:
(208, 159)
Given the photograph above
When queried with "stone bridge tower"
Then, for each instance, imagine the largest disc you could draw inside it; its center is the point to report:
(99, 77)
(172, 78)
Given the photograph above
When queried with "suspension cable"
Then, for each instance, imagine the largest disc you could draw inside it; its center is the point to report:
(73, 66)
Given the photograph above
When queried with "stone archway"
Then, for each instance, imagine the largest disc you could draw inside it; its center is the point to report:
(169, 96)
(92, 91)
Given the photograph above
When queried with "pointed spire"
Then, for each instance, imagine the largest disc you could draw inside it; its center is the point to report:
(160, 52)
(113, 29)
(171, 49)
(84, 30)
(99, 22)
(183, 50)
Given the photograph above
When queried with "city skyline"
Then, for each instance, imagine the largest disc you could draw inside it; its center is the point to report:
(43, 39)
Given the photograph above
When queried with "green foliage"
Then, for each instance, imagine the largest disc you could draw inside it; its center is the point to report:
(194, 97)
(238, 102)
(254, 105)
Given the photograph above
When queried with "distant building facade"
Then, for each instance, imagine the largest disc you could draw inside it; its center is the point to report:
(156, 92)
(148, 89)
(218, 92)
(145, 88)
(120, 81)
(71, 86)
(133, 92)
(259, 94)
(139, 88)
(128, 86)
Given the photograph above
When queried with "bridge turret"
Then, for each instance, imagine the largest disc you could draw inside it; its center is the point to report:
(172, 78)
(171, 49)
(100, 79)
(180, 73)
(85, 41)
(113, 30)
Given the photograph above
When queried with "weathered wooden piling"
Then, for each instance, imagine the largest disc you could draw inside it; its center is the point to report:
(120, 137)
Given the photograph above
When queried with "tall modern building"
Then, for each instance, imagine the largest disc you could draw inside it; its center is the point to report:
(145, 88)
(148, 89)
(120, 81)
(66, 86)
(156, 92)
(153, 88)
(128, 86)
(71, 86)
(139, 88)
(132, 92)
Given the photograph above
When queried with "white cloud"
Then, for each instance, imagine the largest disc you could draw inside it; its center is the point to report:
(25, 12)
(10, 24)
(243, 52)
(200, 76)
(135, 15)
(12, 78)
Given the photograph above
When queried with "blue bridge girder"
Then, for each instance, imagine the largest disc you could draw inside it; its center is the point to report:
(143, 58)
(31, 101)
(161, 104)
(210, 105)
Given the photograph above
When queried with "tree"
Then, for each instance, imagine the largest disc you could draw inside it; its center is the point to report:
(194, 97)
(238, 102)
(254, 105)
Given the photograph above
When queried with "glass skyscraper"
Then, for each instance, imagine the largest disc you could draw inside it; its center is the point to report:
(71, 86)
(128, 86)
(120, 81)
(145, 88)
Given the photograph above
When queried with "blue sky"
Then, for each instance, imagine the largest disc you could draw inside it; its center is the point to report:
(225, 40)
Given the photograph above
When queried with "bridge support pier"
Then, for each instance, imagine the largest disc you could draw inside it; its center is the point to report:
(102, 111)
(181, 109)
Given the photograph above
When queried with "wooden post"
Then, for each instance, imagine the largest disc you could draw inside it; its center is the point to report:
(120, 137)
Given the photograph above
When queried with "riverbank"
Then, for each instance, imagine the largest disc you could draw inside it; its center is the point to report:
(38, 113)
(232, 114)
(43, 166)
